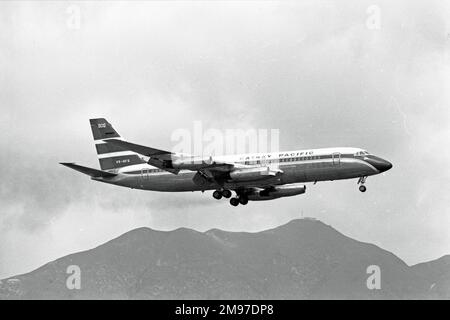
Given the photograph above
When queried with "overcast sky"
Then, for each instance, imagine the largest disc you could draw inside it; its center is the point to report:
(324, 74)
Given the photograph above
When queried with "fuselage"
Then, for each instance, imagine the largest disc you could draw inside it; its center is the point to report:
(297, 166)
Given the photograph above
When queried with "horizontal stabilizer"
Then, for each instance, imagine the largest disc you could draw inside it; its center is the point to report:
(89, 171)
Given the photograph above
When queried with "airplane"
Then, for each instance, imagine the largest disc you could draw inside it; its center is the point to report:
(252, 177)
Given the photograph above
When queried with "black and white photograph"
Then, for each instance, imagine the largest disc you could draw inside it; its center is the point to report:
(235, 152)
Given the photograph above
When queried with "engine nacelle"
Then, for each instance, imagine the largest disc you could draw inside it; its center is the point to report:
(287, 190)
(192, 163)
(253, 174)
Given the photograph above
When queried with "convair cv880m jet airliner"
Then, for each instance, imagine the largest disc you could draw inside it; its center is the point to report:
(262, 176)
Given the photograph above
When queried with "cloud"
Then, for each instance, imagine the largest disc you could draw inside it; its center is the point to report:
(314, 71)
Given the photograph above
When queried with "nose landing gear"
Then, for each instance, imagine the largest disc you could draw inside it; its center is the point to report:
(361, 181)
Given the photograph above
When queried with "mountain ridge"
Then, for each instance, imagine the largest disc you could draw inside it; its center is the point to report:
(302, 259)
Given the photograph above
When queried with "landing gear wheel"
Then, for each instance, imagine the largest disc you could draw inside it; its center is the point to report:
(234, 202)
(243, 200)
(217, 195)
(362, 188)
(226, 193)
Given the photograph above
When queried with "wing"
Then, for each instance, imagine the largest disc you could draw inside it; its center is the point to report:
(172, 162)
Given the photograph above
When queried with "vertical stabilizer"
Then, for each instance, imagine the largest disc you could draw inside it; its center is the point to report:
(111, 156)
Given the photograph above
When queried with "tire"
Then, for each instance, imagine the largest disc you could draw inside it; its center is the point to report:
(243, 200)
(217, 195)
(362, 188)
(234, 202)
(226, 193)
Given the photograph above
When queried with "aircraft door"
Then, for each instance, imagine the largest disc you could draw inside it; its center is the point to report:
(263, 161)
(336, 158)
(143, 176)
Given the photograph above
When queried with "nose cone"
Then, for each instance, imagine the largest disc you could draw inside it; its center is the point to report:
(379, 163)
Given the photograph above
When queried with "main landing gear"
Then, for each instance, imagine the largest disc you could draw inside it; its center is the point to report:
(234, 201)
(226, 193)
(241, 199)
(218, 194)
(361, 181)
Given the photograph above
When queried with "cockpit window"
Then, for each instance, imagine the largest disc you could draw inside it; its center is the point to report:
(361, 153)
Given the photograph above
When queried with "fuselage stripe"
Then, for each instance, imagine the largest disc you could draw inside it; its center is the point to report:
(328, 159)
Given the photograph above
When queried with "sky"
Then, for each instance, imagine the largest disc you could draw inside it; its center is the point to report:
(368, 74)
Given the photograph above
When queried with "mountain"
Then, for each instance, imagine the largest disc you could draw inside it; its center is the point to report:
(304, 259)
(437, 275)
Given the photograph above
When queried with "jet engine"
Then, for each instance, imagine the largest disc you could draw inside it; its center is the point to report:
(253, 174)
(287, 190)
(192, 163)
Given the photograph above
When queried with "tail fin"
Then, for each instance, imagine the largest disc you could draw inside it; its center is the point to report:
(111, 156)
